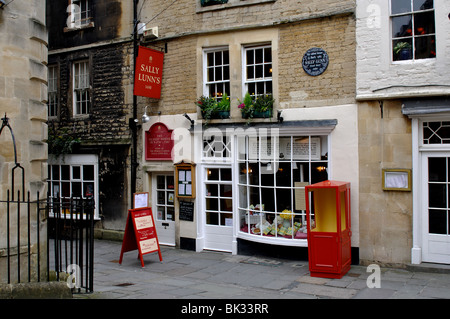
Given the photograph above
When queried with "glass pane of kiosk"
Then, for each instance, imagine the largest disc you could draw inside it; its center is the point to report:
(323, 211)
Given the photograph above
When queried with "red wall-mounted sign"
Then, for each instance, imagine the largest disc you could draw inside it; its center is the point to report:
(140, 234)
(148, 73)
(158, 143)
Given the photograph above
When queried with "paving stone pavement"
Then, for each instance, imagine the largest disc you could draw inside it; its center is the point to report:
(214, 275)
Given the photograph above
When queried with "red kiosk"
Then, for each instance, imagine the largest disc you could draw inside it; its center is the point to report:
(329, 228)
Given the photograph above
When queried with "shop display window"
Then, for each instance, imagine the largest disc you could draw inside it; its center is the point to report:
(273, 173)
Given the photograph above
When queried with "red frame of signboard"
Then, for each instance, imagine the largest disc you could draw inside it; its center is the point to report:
(140, 234)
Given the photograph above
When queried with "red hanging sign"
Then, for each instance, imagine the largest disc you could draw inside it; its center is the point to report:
(140, 234)
(158, 143)
(148, 73)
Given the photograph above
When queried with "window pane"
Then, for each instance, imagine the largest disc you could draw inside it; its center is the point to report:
(226, 57)
(268, 70)
(211, 190)
(425, 47)
(283, 175)
(210, 58)
(437, 166)
(259, 56)
(423, 4)
(250, 72)
(76, 189)
(226, 174)
(170, 213)
(76, 172)
(258, 71)
(437, 196)
(250, 58)
(402, 26)
(160, 182)
(212, 204)
(226, 190)
(213, 174)
(226, 205)
(88, 189)
(65, 172)
(161, 198)
(437, 221)
(218, 57)
(218, 75)
(161, 214)
(402, 49)
(268, 55)
(210, 74)
(226, 72)
(400, 6)
(88, 172)
(424, 23)
(212, 218)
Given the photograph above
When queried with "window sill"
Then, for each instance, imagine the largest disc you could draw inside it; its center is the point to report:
(86, 26)
(418, 61)
(273, 240)
(230, 4)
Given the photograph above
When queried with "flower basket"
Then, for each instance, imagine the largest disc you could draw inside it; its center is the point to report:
(259, 107)
(211, 108)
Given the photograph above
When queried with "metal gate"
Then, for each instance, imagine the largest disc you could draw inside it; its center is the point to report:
(45, 238)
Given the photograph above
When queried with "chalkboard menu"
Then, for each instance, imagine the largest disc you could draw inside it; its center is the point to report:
(315, 61)
(187, 211)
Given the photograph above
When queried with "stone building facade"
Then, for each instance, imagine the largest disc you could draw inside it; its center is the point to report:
(23, 96)
(402, 96)
(231, 177)
(91, 103)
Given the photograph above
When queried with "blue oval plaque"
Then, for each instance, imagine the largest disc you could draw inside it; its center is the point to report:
(315, 61)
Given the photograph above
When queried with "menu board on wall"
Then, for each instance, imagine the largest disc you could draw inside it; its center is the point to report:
(140, 234)
(185, 180)
(187, 211)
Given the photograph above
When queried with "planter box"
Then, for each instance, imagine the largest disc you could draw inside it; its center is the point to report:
(256, 114)
(218, 115)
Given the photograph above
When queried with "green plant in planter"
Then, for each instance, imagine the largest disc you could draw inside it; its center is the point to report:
(211, 108)
(260, 107)
(402, 50)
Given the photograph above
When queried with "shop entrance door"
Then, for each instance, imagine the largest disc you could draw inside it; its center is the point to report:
(163, 208)
(218, 209)
(436, 207)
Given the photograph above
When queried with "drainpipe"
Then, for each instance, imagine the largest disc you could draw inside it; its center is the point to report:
(133, 120)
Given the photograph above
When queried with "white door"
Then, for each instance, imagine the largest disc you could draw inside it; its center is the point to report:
(163, 208)
(218, 209)
(436, 207)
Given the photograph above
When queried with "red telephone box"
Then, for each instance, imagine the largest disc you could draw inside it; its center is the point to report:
(329, 228)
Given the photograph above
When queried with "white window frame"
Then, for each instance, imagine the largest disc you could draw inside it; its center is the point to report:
(206, 83)
(73, 160)
(166, 192)
(246, 81)
(219, 197)
(81, 88)
(79, 15)
(239, 209)
(413, 36)
(52, 91)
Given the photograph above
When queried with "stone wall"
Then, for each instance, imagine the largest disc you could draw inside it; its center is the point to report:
(336, 86)
(23, 96)
(385, 216)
